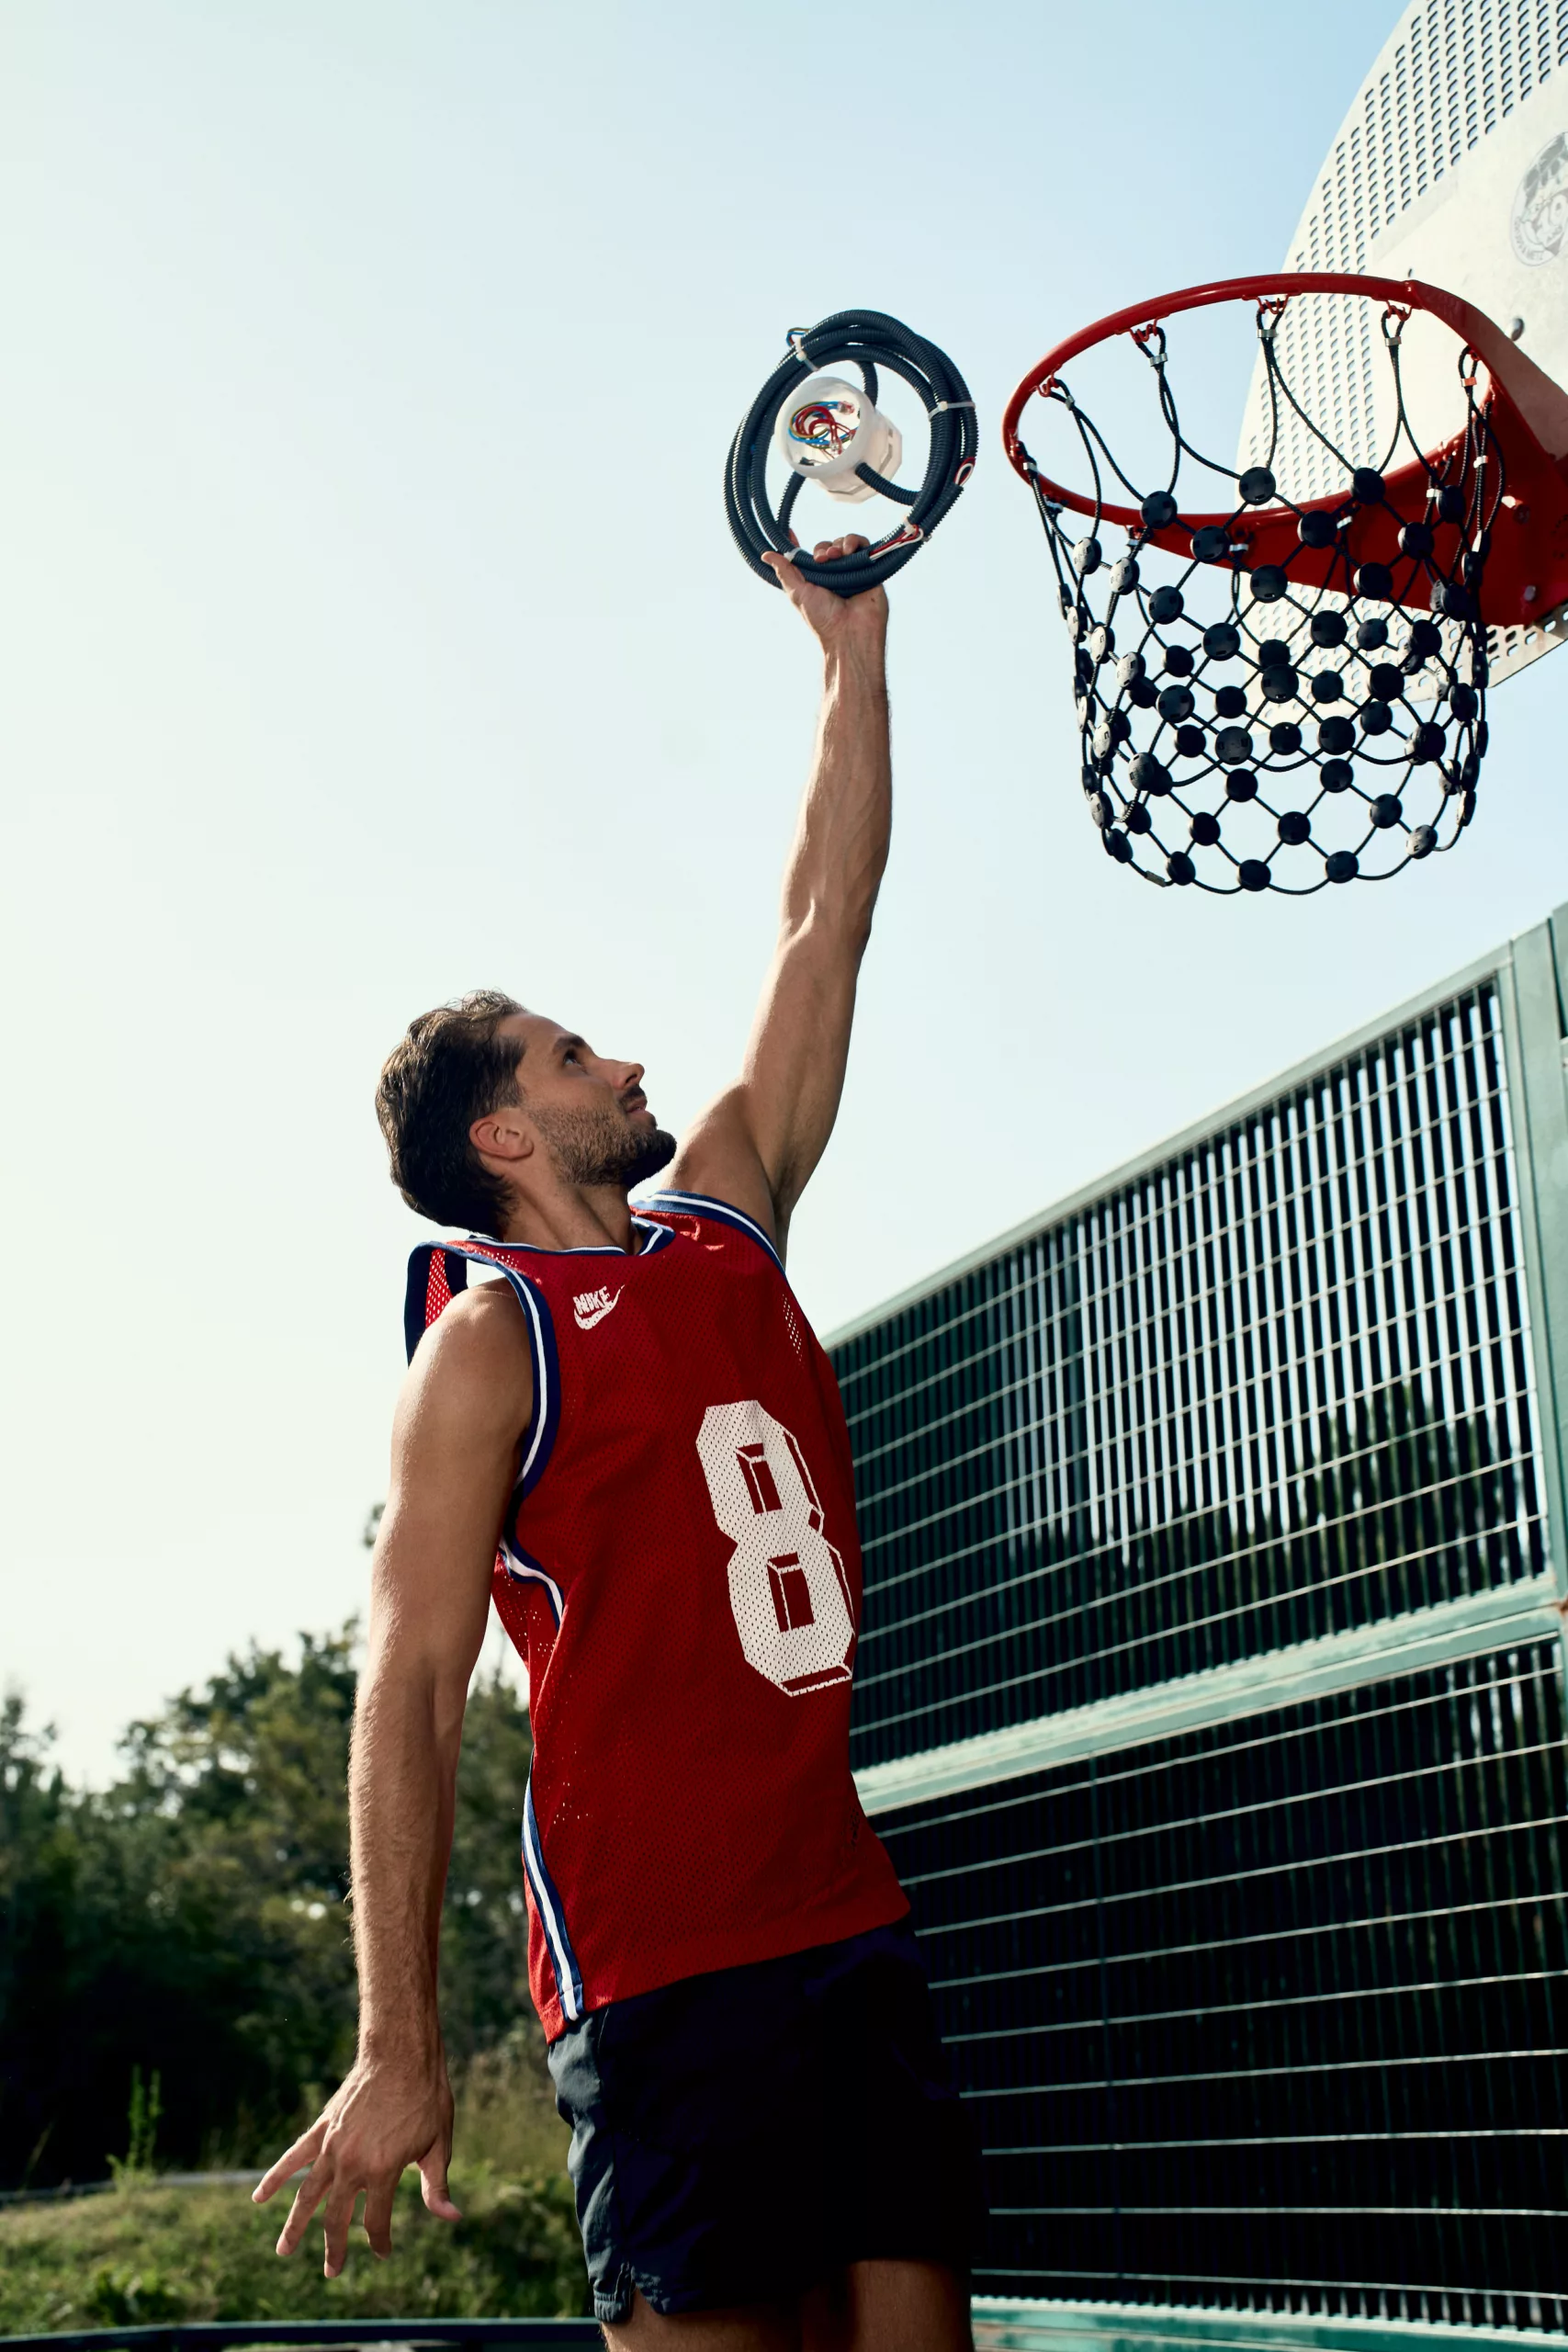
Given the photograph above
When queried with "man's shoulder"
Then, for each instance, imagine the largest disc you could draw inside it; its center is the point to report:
(475, 1359)
(718, 1163)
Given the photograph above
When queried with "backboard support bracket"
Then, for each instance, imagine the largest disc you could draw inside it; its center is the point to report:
(1514, 648)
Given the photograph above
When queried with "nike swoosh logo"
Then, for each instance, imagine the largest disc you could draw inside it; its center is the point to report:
(597, 1314)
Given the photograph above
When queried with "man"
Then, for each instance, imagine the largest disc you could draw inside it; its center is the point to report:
(622, 1416)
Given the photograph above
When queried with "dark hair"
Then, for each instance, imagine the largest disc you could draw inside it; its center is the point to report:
(447, 1072)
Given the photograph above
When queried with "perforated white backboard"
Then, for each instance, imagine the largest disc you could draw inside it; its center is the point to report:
(1451, 166)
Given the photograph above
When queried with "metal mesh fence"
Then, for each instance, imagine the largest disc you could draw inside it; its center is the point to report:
(1278, 1386)
(1271, 2014)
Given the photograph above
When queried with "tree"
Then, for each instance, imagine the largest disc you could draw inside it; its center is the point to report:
(38, 1883)
(192, 1921)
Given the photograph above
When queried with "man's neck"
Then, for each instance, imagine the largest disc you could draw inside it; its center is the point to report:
(593, 1216)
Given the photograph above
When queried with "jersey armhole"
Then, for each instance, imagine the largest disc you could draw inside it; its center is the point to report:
(438, 1272)
(436, 1275)
(721, 1213)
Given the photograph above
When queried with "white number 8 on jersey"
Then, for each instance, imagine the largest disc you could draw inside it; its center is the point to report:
(787, 1587)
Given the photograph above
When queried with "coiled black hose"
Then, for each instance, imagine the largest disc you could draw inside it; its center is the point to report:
(870, 340)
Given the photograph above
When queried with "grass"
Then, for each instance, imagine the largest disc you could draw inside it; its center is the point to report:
(141, 2254)
(506, 2110)
(145, 2254)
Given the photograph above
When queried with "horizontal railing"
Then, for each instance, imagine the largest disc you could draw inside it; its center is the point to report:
(1004, 2326)
(206, 2335)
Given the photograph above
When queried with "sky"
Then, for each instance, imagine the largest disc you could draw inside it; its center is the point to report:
(369, 631)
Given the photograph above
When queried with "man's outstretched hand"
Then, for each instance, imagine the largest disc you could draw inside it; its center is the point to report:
(834, 621)
(383, 2119)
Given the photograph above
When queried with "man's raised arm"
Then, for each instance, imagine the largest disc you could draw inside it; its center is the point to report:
(758, 1144)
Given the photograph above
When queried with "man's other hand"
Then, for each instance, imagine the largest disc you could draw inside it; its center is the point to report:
(834, 621)
(382, 2120)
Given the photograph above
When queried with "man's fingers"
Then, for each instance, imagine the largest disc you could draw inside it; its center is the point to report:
(433, 2183)
(307, 2197)
(825, 551)
(335, 2222)
(789, 580)
(379, 2217)
(305, 2151)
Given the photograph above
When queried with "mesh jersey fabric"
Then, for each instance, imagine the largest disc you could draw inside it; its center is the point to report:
(679, 1570)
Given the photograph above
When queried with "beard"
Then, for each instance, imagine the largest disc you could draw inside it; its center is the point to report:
(591, 1148)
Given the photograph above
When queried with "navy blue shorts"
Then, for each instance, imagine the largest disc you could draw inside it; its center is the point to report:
(737, 2138)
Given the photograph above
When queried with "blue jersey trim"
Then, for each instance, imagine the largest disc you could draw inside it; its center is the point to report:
(523, 1568)
(652, 1233)
(539, 1441)
(552, 1918)
(723, 1212)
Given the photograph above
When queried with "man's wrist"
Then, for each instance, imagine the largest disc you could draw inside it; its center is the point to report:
(863, 658)
(413, 2046)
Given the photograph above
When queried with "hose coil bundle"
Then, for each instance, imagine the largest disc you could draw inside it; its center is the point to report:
(871, 341)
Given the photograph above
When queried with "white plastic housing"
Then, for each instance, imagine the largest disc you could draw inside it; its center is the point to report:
(1451, 166)
(827, 427)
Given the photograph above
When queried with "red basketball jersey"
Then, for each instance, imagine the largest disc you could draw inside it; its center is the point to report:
(680, 1571)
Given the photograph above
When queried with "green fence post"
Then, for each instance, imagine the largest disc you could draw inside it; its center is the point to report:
(1535, 1033)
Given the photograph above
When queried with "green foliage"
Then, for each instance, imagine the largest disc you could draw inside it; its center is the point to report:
(189, 1924)
(141, 2131)
(506, 2108)
(38, 1875)
(121, 2296)
(168, 2254)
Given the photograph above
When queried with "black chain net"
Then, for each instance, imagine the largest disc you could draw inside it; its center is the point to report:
(1248, 728)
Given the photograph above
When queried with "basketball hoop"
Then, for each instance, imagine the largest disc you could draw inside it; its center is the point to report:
(1287, 692)
(830, 430)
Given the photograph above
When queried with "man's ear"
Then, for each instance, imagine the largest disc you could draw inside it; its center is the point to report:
(502, 1134)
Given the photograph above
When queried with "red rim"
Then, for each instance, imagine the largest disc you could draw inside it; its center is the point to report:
(1529, 415)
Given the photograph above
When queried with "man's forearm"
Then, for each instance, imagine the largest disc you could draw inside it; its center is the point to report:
(757, 1143)
(401, 1787)
(842, 841)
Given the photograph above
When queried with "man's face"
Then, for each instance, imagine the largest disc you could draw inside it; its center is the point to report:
(589, 1112)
